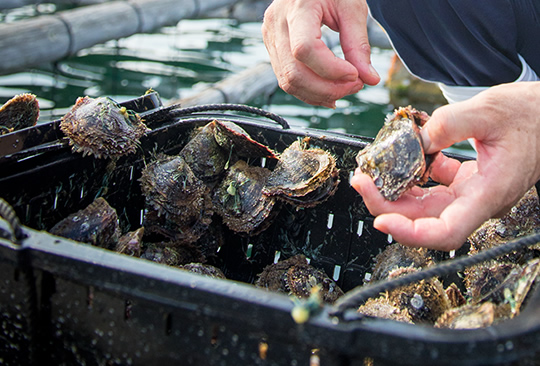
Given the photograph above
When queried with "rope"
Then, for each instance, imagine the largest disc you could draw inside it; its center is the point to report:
(8, 213)
(359, 295)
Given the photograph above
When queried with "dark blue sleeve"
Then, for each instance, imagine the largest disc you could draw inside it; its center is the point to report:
(463, 42)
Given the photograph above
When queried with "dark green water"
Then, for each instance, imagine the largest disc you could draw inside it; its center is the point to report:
(178, 62)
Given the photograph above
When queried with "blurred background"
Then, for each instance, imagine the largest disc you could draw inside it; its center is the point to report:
(184, 59)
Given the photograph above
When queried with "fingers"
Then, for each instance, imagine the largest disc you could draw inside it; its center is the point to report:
(355, 44)
(304, 66)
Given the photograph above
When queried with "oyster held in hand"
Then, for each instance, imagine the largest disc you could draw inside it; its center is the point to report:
(396, 160)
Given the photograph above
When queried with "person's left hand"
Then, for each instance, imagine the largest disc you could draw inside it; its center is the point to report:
(505, 124)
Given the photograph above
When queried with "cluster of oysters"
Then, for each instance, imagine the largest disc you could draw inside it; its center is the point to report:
(211, 179)
(492, 291)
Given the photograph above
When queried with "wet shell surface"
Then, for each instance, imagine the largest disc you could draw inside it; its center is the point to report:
(19, 112)
(238, 199)
(296, 277)
(96, 224)
(396, 160)
(303, 176)
(101, 127)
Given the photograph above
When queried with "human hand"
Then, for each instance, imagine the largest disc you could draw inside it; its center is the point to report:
(505, 123)
(304, 66)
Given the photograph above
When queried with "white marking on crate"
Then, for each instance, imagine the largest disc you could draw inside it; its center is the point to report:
(55, 201)
(360, 228)
(276, 256)
(367, 277)
(263, 162)
(337, 271)
(452, 253)
(389, 238)
(249, 250)
(330, 221)
(82, 191)
(131, 173)
(351, 174)
(141, 219)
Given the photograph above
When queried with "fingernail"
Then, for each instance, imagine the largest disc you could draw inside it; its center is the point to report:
(373, 72)
(426, 140)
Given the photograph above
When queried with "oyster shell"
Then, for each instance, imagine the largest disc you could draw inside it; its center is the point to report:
(204, 156)
(102, 128)
(297, 277)
(303, 176)
(381, 307)
(425, 300)
(172, 253)
(396, 160)
(238, 199)
(131, 243)
(468, 316)
(178, 203)
(19, 112)
(96, 224)
(396, 256)
(232, 137)
(523, 219)
(204, 269)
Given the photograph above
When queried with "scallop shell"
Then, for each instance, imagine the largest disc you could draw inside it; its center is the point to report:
(102, 128)
(396, 160)
(19, 112)
(238, 199)
(303, 176)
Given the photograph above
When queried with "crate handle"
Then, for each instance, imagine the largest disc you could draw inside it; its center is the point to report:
(8, 213)
(175, 111)
(360, 294)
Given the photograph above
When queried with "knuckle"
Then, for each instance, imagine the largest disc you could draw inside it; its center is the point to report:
(300, 51)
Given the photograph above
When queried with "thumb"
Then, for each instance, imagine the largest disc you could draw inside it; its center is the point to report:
(448, 124)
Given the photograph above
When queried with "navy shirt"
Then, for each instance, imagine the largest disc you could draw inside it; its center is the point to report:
(463, 42)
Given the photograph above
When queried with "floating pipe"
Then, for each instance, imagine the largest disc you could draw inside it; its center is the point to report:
(31, 42)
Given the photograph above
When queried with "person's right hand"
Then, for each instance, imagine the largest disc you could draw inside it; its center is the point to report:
(303, 64)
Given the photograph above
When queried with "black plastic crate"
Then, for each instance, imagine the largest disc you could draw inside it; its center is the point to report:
(85, 305)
